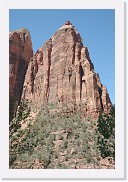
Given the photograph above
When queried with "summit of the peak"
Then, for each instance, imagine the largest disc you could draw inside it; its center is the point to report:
(68, 23)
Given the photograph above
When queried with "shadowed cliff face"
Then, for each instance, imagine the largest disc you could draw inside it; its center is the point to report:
(62, 72)
(20, 52)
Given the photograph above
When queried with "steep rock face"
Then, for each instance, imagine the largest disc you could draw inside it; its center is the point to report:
(20, 52)
(62, 72)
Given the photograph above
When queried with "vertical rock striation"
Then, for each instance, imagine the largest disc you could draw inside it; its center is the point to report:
(62, 72)
(20, 52)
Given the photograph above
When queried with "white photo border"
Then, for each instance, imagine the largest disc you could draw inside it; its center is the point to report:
(118, 172)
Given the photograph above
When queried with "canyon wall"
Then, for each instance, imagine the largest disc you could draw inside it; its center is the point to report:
(20, 52)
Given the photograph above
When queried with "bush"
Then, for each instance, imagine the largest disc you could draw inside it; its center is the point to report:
(65, 144)
(56, 155)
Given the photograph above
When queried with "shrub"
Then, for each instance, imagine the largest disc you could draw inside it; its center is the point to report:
(66, 158)
(65, 144)
(78, 143)
(88, 160)
(60, 137)
(56, 155)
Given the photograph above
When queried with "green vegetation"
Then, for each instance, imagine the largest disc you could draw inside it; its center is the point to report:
(106, 134)
(15, 131)
(21, 114)
(58, 140)
(12, 107)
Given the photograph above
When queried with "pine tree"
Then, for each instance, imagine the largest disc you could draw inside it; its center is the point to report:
(106, 133)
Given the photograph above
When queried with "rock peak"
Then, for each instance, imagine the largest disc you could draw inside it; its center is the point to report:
(20, 52)
(21, 30)
(62, 72)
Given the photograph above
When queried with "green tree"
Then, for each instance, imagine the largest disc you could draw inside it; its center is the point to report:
(22, 112)
(106, 133)
(12, 107)
(15, 127)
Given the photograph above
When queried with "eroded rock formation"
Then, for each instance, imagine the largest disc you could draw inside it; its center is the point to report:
(20, 52)
(62, 72)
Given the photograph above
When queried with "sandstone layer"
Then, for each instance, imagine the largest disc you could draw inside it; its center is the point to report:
(20, 52)
(61, 71)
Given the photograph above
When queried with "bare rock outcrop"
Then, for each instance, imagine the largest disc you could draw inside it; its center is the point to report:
(62, 72)
(20, 52)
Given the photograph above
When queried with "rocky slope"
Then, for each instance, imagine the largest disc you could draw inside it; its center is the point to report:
(62, 72)
(60, 140)
(20, 52)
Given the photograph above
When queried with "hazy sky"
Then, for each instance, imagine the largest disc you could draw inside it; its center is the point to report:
(96, 27)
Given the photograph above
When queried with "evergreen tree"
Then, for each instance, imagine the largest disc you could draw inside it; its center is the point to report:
(12, 107)
(106, 133)
(15, 126)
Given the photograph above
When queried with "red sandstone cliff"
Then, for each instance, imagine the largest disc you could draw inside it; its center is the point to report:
(20, 52)
(61, 71)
